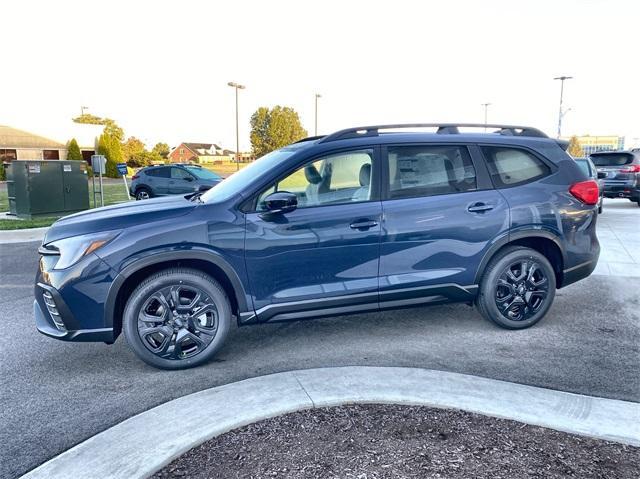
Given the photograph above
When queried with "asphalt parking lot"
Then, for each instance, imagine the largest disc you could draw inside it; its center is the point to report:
(56, 394)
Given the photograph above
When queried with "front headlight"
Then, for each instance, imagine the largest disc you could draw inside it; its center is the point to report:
(73, 248)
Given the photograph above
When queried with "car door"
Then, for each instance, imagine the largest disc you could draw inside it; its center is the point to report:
(321, 258)
(181, 181)
(440, 216)
(158, 180)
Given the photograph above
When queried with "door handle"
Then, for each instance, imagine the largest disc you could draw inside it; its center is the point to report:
(479, 208)
(363, 225)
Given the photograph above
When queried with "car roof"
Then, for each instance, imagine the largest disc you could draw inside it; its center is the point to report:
(444, 133)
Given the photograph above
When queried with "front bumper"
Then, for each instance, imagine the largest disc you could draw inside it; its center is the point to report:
(46, 326)
(70, 304)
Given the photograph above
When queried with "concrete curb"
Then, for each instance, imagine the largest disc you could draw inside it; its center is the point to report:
(22, 236)
(137, 447)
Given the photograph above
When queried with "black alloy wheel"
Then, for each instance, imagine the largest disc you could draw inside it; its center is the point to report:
(517, 288)
(177, 318)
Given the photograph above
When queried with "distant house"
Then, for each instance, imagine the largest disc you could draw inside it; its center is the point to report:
(21, 145)
(197, 153)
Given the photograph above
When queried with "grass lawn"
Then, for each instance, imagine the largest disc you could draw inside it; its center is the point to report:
(113, 193)
(224, 169)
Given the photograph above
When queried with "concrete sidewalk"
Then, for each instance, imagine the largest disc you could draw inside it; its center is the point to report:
(138, 447)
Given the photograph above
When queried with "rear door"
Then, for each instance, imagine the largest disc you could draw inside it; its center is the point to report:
(440, 216)
(158, 180)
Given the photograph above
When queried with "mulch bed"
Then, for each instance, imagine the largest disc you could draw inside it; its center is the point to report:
(384, 441)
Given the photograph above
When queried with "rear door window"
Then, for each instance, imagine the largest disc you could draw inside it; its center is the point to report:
(427, 170)
(158, 172)
(513, 166)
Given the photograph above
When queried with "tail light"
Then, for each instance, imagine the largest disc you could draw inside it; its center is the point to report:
(135, 177)
(586, 191)
(631, 169)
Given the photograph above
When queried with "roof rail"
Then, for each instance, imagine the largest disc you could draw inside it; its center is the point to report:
(309, 138)
(443, 129)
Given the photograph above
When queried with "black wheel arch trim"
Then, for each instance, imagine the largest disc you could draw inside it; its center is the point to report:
(512, 236)
(159, 257)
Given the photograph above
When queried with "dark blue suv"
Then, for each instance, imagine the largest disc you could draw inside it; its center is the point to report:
(364, 219)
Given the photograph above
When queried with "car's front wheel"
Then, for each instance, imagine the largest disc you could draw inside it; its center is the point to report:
(177, 318)
(517, 289)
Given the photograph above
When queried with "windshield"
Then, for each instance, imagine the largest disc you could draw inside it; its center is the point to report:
(202, 173)
(238, 181)
(611, 159)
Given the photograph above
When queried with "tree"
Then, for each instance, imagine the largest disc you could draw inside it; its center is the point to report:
(110, 126)
(161, 149)
(110, 147)
(131, 148)
(575, 149)
(73, 151)
(275, 128)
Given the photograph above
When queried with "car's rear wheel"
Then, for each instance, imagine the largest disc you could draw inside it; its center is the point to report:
(143, 194)
(517, 289)
(177, 318)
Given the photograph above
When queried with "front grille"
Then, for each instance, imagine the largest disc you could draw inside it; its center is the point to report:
(53, 310)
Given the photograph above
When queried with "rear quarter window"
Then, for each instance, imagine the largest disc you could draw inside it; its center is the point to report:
(513, 166)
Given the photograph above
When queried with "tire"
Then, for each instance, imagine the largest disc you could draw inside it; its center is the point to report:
(143, 193)
(173, 337)
(520, 308)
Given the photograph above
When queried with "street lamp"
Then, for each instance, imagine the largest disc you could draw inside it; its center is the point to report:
(486, 109)
(560, 113)
(237, 87)
(316, 114)
(82, 109)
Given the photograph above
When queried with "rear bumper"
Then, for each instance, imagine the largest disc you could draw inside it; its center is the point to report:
(576, 273)
(628, 189)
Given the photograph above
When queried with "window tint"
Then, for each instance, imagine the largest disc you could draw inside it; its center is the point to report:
(611, 159)
(180, 174)
(335, 179)
(584, 166)
(429, 170)
(158, 172)
(511, 166)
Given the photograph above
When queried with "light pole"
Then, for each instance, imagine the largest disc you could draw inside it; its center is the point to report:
(486, 109)
(318, 95)
(560, 113)
(82, 109)
(237, 87)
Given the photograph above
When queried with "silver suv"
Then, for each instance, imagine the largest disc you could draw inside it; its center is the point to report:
(176, 179)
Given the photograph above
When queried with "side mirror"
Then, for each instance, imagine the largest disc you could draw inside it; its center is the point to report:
(189, 178)
(601, 175)
(281, 202)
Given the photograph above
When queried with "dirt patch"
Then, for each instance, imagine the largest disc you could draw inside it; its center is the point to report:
(384, 441)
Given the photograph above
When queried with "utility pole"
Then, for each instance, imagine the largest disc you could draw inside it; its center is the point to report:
(237, 87)
(560, 112)
(316, 115)
(486, 109)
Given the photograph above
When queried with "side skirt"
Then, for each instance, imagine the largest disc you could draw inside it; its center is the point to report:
(365, 302)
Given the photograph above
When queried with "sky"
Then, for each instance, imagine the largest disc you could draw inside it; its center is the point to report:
(160, 68)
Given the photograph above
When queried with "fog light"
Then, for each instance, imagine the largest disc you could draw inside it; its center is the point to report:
(53, 310)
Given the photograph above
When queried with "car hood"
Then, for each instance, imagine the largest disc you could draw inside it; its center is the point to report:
(118, 216)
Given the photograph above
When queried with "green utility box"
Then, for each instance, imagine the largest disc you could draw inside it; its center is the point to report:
(47, 188)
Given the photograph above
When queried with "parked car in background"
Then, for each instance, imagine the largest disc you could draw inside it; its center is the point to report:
(175, 179)
(364, 219)
(590, 170)
(622, 169)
